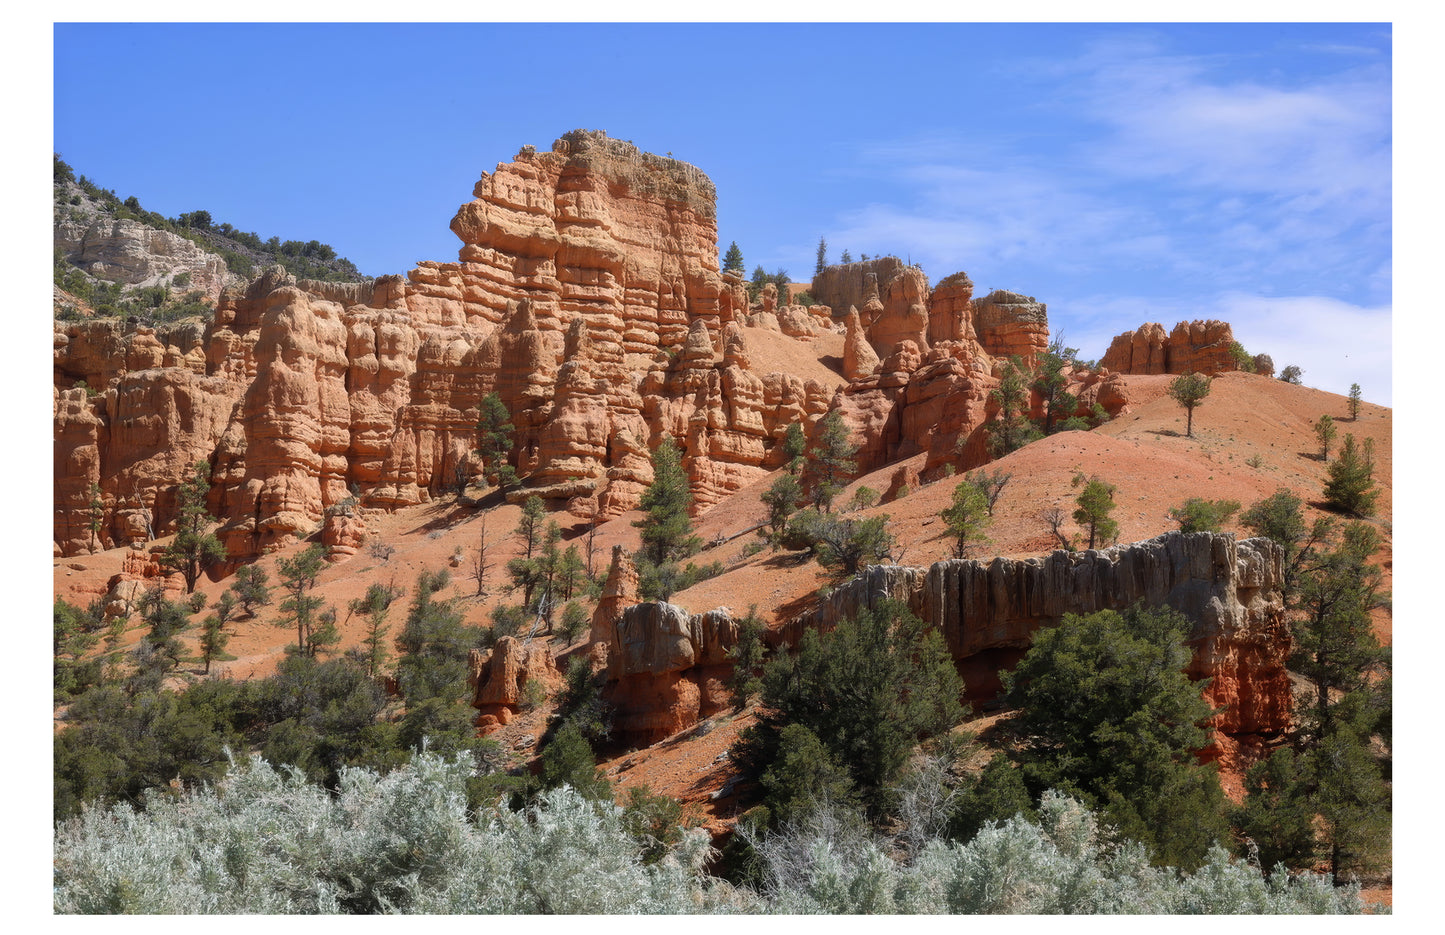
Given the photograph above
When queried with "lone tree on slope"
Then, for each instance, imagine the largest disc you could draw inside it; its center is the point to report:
(1189, 391)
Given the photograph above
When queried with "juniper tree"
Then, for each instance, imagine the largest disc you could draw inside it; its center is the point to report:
(1291, 374)
(869, 690)
(194, 548)
(1201, 515)
(1189, 391)
(1107, 713)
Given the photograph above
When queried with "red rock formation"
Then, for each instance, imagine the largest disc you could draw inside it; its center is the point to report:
(988, 611)
(1010, 324)
(298, 391)
(500, 679)
(1192, 347)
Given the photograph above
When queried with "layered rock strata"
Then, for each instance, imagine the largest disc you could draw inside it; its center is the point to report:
(587, 295)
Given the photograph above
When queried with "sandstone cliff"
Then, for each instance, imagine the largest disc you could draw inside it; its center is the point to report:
(586, 294)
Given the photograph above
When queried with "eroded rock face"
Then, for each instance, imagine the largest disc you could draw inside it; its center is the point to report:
(665, 669)
(500, 679)
(128, 251)
(1009, 324)
(1192, 347)
(586, 294)
(666, 666)
(988, 611)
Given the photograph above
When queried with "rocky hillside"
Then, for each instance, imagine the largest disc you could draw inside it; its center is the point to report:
(587, 295)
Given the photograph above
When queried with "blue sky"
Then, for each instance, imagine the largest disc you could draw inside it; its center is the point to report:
(1121, 173)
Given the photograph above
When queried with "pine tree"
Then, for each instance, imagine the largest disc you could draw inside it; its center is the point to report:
(194, 549)
(967, 518)
(1011, 430)
(213, 630)
(667, 528)
(494, 440)
(1050, 383)
(97, 514)
(1189, 391)
(795, 446)
(733, 262)
(869, 690)
(298, 577)
(1350, 487)
(1354, 401)
(822, 257)
(831, 460)
(1325, 431)
(1107, 713)
(250, 588)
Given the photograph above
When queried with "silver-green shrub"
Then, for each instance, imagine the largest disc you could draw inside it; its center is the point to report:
(265, 841)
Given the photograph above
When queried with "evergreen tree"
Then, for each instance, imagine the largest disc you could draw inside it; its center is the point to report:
(1354, 401)
(97, 514)
(1050, 382)
(250, 588)
(846, 258)
(194, 549)
(1279, 517)
(1325, 431)
(747, 656)
(1189, 391)
(1291, 374)
(967, 518)
(1011, 429)
(1327, 798)
(868, 690)
(213, 630)
(831, 460)
(822, 263)
(1200, 515)
(781, 499)
(302, 608)
(494, 440)
(795, 446)
(1096, 502)
(1107, 713)
(1350, 488)
(667, 527)
(733, 262)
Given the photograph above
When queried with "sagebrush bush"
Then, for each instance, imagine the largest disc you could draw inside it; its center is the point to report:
(265, 841)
